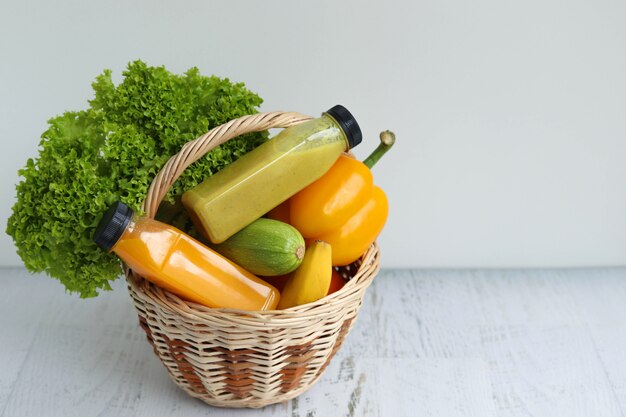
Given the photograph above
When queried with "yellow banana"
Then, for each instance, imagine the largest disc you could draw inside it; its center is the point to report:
(311, 280)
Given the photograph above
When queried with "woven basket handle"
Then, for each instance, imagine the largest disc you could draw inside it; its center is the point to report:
(197, 148)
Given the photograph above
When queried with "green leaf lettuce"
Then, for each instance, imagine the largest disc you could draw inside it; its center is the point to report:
(111, 151)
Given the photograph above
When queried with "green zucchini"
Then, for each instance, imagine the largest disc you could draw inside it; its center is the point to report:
(265, 247)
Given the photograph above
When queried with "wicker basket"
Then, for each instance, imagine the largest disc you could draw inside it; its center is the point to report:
(235, 358)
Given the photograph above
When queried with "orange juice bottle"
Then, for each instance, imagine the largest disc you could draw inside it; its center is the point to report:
(180, 264)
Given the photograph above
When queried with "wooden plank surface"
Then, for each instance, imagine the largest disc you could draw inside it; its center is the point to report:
(426, 343)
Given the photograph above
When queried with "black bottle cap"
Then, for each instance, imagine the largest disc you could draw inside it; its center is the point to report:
(348, 123)
(112, 225)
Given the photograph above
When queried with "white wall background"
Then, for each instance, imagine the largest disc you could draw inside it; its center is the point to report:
(510, 115)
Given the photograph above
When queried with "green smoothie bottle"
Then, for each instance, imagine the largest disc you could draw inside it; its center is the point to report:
(263, 178)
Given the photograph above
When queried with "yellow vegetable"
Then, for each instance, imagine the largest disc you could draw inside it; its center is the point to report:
(311, 280)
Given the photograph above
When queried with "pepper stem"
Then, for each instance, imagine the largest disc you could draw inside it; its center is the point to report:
(387, 139)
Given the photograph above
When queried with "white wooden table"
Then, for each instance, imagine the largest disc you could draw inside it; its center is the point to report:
(427, 343)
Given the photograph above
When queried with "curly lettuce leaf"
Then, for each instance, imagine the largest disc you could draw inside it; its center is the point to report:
(111, 151)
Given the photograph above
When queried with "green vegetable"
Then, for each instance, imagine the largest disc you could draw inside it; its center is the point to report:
(111, 151)
(265, 247)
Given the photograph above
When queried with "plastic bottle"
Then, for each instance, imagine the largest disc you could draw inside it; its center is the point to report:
(180, 264)
(265, 177)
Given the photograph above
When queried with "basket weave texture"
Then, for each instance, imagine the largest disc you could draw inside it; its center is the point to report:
(236, 358)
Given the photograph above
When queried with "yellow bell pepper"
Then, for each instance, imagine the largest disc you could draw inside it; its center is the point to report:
(352, 239)
(330, 201)
(343, 207)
